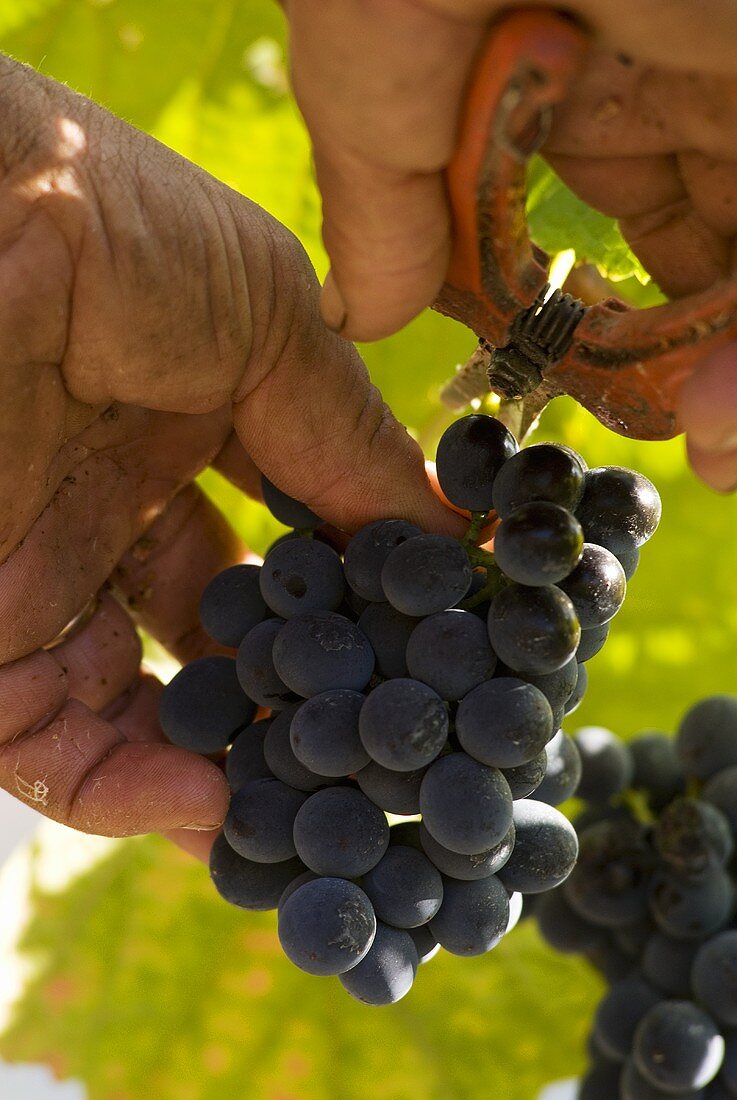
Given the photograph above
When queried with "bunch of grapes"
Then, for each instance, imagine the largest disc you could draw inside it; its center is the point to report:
(651, 903)
(418, 676)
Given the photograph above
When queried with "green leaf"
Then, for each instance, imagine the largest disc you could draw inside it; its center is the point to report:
(17, 14)
(149, 985)
(558, 220)
(255, 525)
(209, 81)
(411, 367)
(132, 56)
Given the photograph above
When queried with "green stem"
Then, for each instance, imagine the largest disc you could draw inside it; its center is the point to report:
(694, 786)
(479, 557)
(495, 581)
(636, 802)
(475, 527)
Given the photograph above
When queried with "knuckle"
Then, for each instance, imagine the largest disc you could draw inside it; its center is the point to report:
(33, 690)
(47, 766)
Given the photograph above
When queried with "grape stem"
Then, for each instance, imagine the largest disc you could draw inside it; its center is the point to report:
(635, 801)
(475, 527)
(693, 787)
(495, 580)
(479, 557)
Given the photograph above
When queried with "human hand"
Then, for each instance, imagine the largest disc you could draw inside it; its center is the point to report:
(647, 135)
(152, 321)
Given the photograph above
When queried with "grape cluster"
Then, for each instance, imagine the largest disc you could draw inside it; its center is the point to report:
(651, 903)
(419, 676)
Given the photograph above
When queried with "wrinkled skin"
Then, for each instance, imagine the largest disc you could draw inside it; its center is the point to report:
(648, 135)
(152, 321)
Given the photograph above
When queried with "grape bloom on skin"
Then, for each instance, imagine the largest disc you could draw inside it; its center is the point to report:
(415, 674)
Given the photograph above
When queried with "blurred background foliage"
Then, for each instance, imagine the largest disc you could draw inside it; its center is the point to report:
(145, 983)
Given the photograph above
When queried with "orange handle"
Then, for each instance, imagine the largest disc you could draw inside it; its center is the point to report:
(523, 72)
(625, 365)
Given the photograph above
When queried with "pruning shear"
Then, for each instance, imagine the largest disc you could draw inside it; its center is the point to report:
(625, 365)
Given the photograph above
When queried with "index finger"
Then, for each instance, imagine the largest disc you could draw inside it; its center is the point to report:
(380, 84)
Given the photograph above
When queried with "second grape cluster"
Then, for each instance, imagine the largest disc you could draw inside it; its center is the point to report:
(651, 904)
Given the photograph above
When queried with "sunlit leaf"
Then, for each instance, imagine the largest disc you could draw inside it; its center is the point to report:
(149, 985)
(559, 220)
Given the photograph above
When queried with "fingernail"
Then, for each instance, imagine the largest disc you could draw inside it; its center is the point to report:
(722, 444)
(209, 828)
(332, 306)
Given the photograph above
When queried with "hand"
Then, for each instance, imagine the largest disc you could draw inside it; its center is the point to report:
(648, 135)
(151, 322)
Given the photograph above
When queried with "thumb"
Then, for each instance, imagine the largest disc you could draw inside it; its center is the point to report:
(309, 417)
(708, 413)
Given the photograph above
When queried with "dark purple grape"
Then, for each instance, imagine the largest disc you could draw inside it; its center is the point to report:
(657, 769)
(714, 977)
(451, 653)
(619, 1013)
(693, 838)
(466, 806)
(324, 733)
(545, 848)
(538, 543)
(326, 926)
(388, 631)
(533, 630)
(246, 760)
(473, 917)
(386, 973)
(338, 831)
(367, 551)
(204, 707)
(592, 642)
(606, 764)
(562, 927)
(302, 575)
(691, 910)
(526, 778)
(609, 885)
(470, 454)
(255, 667)
(467, 867)
(403, 724)
(596, 587)
(677, 1047)
(248, 884)
(320, 651)
(260, 820)
(620, 508)
(425, 574)
(232, 604)
(562, 771)
(504, 722)
(290, 512)
(545, 471)
(707, 736)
